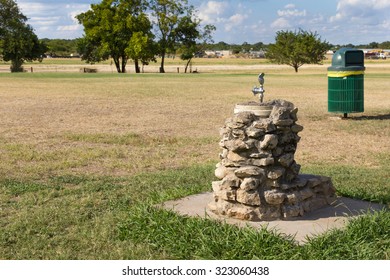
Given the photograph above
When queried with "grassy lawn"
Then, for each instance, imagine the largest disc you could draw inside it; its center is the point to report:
(85, 156)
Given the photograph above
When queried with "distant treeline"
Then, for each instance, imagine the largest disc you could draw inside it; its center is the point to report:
(68, 47)
(61, 47)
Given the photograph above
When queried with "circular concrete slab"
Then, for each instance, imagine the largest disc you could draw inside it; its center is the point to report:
(312, 224)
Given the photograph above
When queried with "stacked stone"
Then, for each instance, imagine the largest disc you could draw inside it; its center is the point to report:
(259, 178)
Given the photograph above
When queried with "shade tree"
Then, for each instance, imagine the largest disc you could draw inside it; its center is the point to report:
(296, 48)
(18, 42)
(119, 29)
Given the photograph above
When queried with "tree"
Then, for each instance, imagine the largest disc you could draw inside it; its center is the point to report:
(60, 47)
(112, 29)
(373, 45)
(173, 17)
(18, 42)
(141, 48)
(297, 48)
(385, 45)
(192, 39)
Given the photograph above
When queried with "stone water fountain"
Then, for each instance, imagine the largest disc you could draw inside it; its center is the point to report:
(258, 176)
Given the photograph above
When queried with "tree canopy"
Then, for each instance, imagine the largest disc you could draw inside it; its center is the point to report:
(177, 25)
(119, 29)
(297, 48)
(18, 42)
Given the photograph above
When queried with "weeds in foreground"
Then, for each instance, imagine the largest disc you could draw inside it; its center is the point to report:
(366, 237)
(85, 217)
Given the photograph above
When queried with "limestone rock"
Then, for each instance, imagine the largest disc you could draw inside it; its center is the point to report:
(293, 198)
(248, 197)
(220, 172)
(286, 160)
(243, 117)
(259, 178)
(250, 184)
(275, 173)
(292, 211)
(223, 193)
(235, 157)
(295, 167)
(238, 134)
(236, 145)
(264, 124)
(274, 197)
(223, 154)
(270, 142)
(248, 171)
(261, 155)
(285, 122)
(263, 161)
(230, 181)
(254, 132)
(293, 114)
(306, 193)
(281, 112)
(234, 125)
(242, 213)
(296, 128)
(269, 212)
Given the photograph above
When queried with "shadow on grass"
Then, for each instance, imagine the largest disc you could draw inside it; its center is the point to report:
(367, 118)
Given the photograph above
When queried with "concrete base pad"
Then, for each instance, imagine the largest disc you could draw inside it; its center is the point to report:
(314, 223)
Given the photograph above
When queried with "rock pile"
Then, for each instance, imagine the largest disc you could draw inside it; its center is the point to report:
(259, 177)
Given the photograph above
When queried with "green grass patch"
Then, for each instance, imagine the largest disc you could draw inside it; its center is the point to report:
(371, 184)
(194, 238)
(178, 237)
(92, 217)
(364, 238)
(76, 217)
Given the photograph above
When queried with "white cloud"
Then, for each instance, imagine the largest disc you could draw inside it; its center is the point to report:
(68, 27)
(237, 18)
(54, 19)
(281, 23)
(361, 9)
(290, 10)
(73, 15)
(370, 17)
(288, 17)
(289, 6)
(235, 21)
(212, 12)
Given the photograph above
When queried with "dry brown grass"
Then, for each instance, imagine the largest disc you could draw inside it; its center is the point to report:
(108, 124)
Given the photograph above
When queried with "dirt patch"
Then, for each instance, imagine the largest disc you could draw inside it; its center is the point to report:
(38, 114)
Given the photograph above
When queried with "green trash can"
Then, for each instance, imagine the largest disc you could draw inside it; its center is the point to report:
(346, 82)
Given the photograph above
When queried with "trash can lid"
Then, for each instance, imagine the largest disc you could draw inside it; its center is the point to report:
(347, 59)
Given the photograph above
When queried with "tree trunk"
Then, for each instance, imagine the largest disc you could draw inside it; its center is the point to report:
(124, 62)
(162, 62)
(296, 68)
(188, 63)
(117, 65)
(16, 65)
(136, 64)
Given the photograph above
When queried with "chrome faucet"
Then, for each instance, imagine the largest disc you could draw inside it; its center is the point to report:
(259, 90)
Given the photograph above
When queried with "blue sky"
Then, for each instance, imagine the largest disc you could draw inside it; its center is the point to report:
(238, 21)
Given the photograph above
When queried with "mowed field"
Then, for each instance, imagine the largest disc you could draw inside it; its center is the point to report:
(83, 156)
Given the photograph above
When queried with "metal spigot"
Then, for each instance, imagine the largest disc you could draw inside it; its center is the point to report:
(259, 90)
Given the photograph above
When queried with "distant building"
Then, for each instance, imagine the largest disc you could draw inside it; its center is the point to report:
(257, 54)
(223, 53)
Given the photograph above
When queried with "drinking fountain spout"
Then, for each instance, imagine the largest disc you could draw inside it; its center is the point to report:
(259, 90)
